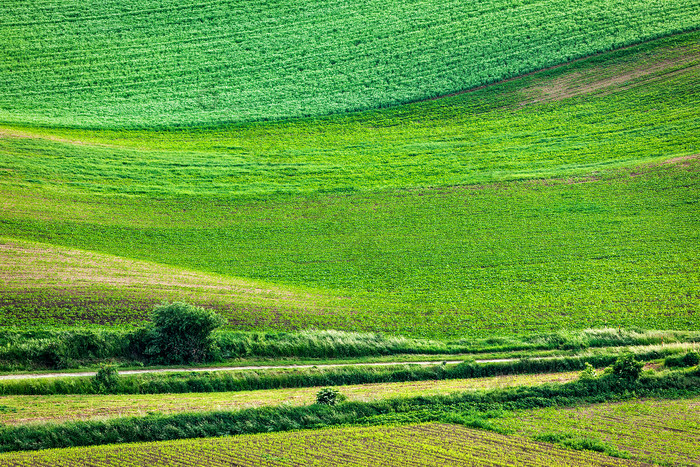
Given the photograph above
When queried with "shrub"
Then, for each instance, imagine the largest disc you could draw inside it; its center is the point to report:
(181, 333)
(588, 372)
(687, 360)
(106, 379)
(329, 396)
(626, 367)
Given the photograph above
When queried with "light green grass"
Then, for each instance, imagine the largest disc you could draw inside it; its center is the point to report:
(620, 251)
(145, 63)
(18, 410)
(615, 109)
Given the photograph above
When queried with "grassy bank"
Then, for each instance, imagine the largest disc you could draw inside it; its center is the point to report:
(469, 404)
(50, 348)
(161, 383)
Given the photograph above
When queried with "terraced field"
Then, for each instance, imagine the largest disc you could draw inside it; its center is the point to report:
(415, 445)
(19, 410)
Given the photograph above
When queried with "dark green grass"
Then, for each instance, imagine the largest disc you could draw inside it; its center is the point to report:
(41, 348)
(145, 63)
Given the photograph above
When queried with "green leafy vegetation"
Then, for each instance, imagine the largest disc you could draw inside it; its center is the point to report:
(32, 409)
(49, 348)
(363, 222)
(160, 383)
(582, 443)
(329, 396)
(180, 333)
(658, 431)
(424, 444)
(626, 367)
(211, 152)
(106, 379)
(689, 359)
(145, 63)
(451, 263)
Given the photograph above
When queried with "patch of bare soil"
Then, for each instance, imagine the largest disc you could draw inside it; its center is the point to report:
(684, 160)
(593, 81)
(8, 133)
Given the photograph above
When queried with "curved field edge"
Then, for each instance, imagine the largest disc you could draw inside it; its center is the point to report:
(620, 108)
(138, 63)
(601, 248)
(39, 279)
(424, 444)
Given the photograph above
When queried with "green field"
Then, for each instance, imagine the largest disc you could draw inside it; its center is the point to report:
(355, 180)
(425, 445)
(149, 63)
(565, 199)
(661, 432)
(649, 431)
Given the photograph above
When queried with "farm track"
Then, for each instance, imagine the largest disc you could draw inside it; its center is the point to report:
(243, 368)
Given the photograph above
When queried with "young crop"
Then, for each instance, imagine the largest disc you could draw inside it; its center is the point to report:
(141, 63)
(423, 444)
(497, 211)
(655, 431)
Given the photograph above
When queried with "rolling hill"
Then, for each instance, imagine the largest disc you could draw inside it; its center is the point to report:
(565, 198)
(150, 63)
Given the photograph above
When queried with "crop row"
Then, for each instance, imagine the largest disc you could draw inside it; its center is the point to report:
(413, 445)
(657, 431)
(472, 408)
(466, 139)
(615, 248)
(20, 410)
(137, 62)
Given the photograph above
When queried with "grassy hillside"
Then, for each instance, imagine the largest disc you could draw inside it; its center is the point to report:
(152, 63)
(568, 198)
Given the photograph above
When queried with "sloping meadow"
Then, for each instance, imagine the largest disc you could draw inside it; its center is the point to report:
(150, 63)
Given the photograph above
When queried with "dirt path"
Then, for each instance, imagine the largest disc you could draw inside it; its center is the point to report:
(240, 368)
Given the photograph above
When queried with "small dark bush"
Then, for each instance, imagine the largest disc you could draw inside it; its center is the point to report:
(106, 379)
(626, 367)
(329, 396)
